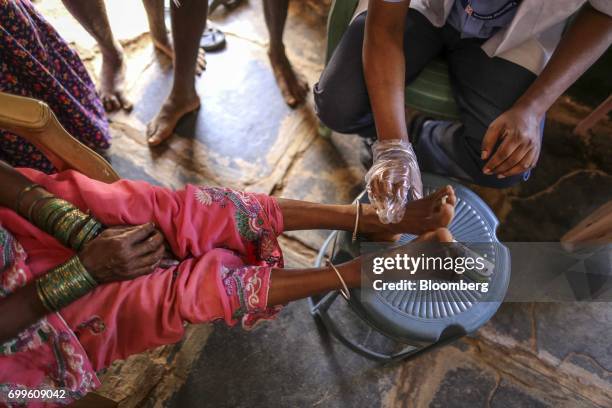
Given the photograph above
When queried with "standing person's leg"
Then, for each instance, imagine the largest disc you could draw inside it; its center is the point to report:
(159, 33)
(91, 14)
(293, 87)
(341, 96)
(188, 22)
(484, 88)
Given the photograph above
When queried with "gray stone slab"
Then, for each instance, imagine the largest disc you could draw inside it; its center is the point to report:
(509, 395)
(568, 329)
(464, 387)
(285, 363)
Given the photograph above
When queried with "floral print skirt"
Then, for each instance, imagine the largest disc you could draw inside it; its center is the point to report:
(36, 62)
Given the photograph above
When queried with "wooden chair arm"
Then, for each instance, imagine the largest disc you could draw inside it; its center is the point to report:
(35, 121)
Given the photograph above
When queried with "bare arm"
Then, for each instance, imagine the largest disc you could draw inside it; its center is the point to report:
(385, 68)
(586, 40)
(135, 251)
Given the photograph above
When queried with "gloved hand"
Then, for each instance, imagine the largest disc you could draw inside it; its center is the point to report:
(394, 179)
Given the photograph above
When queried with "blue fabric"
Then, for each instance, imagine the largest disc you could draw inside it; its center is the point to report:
(479, 18)
(486, 18)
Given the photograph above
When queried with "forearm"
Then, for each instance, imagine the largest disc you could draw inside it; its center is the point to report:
(384, 67)
(18, 311)
(586, 40)
(12, 183)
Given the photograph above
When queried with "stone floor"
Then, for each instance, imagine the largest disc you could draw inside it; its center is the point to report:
(529, 354)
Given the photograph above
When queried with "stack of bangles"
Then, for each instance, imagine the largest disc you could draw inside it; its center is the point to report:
(73, 228)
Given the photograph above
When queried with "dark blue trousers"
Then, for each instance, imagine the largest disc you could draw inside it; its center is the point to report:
(483, 87)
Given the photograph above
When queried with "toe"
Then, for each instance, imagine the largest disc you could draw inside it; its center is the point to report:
(114, 103)
(124, 102)
(443, 235)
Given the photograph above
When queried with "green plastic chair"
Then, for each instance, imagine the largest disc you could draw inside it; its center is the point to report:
(430, 93)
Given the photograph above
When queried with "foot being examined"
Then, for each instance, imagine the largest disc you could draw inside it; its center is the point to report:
(422, 216)
(174, 108)
(112, 81)
(293, 86)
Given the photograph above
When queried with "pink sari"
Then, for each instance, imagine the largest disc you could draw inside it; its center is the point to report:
(225, 240)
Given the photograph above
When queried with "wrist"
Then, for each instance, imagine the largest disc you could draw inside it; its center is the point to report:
(64, 284)
(400, 138)
(530, 107)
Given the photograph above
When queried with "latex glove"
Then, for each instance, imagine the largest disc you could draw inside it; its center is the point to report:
(393, 180)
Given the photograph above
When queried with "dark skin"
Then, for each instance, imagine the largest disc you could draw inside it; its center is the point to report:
(127, 252)
(293, 87)
(518, 128)
(188, 22)
(132, 250)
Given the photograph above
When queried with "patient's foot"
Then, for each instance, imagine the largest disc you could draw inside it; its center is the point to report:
(421, 216)
(293, 86)
(162, 126)
(438, 235)
(112, 80)
(429, 213)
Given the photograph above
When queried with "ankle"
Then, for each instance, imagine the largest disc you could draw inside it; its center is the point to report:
(181, 95)
(369, 222)
(113, 54)
(276, 51)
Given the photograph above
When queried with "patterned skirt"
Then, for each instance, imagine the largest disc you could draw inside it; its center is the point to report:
(36, 62)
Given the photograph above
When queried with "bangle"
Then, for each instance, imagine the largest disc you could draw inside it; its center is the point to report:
(69, 225)
(64, 284)
(356, 229)
(35, 203)
(81, 237)
(22, 194)
(344, 290)
(41, 216)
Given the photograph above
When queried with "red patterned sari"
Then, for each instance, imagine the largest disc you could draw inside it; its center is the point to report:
(225, 241)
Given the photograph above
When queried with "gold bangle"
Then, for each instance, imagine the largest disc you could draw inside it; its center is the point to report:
(356, 229)
(64, 284)
(35, 203)
(344, 291)
(22, 194)
(80, 237)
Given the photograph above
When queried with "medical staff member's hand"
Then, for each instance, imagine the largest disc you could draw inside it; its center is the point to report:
(518, 133)
(394, 179)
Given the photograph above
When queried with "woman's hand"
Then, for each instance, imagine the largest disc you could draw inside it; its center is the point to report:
(124, 253)
(518, 133)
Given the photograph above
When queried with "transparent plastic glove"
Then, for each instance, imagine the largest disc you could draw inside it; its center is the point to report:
(393, 180)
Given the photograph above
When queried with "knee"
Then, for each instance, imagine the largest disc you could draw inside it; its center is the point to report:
(334, 110)
(340, 96)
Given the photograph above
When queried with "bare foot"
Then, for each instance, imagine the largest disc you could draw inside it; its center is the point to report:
(429, 213)
(293, 86)
(163, 44)
(163, 124)
(421, 216)
(112, 81)
(438, 235)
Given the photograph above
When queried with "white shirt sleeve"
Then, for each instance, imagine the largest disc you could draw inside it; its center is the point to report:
(605, 6)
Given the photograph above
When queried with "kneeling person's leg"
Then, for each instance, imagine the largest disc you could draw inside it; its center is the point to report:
(341, 95)
(484, 88)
